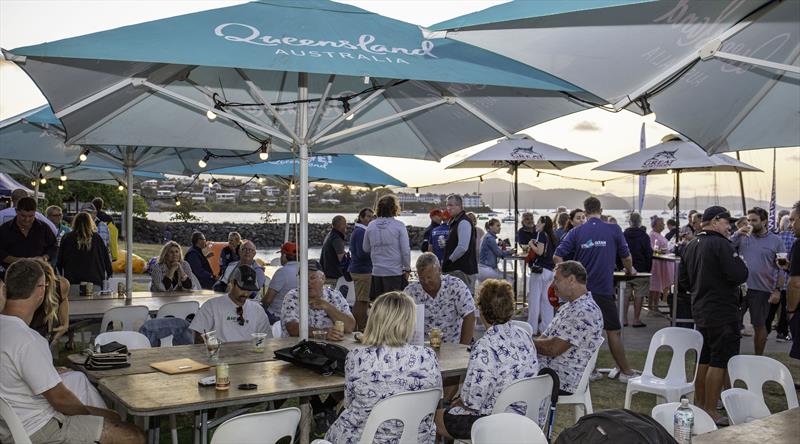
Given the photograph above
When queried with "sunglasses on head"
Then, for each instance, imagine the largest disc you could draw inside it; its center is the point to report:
(240, 313)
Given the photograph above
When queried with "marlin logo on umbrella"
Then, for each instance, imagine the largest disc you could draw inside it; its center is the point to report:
(526, 153)
(662, 159)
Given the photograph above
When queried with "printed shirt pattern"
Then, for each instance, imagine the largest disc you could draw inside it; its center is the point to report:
(375, 373)
(580, 323)
(317, 318)
(503, 355)
(447, 310)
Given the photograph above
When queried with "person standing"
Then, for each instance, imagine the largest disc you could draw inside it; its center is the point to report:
(197, 258)
(436, 220)
(386, 241)
(663, 272)
(83, 257)
(528, 229)
(782, 331)
(7, 214)
(562, 219)
(333, 250)
(642, 254)
(25, 236)
(712, 271)
(793, 287)
(56, 216)
(540, 312)
(672, 231)
(596, 245)
(113, 231)
(460, 257)
(439, 237)
(759, 249)
(102, 227)
(360, 267)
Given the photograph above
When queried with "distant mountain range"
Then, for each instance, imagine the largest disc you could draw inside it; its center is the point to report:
(496, 194)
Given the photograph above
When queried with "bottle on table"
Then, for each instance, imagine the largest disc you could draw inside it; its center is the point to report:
(683, 422)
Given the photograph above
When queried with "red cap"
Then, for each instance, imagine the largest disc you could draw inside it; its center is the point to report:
(445, 215)
(289, 248)
(435, 212)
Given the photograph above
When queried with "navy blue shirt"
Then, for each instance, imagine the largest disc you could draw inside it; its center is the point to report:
(438, 240)
(596, 245)
(360, 260)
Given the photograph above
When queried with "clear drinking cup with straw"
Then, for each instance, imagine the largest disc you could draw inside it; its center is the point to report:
(212, 344)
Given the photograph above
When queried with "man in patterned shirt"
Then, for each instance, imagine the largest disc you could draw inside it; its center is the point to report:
(325, 306)
(576, 332)
(448, 302)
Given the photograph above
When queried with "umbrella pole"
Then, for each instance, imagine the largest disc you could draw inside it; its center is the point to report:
(516, 203)
(36, 192)
(288, 215)
(741, 188)
(678, 197)
(302, 118)
(129, 224)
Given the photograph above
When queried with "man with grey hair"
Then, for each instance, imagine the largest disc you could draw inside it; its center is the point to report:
(9, 213)
(448, 302)
(642, 254)
(460, 255)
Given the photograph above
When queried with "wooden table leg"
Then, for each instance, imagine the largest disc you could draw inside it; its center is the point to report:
(305, 420)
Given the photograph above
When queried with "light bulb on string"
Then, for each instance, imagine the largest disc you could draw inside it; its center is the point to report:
(259, 179)
(120, 186)
(291, 185)
(42, 179)
(47, 168)
(84, 155)
(264, 152)
(60, 187)
(603, 185)
(211, 115)
(669, 171)
(63, 176)
(481, 178)
(177, 202)
(202, 163)
(33, 183)
(346, 107)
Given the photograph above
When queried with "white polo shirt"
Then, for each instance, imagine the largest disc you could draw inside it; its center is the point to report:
(220, 314)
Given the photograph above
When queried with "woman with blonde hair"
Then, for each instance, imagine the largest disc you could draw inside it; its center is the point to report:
(51, 319)
(171, 272)
(388, 365)
(82, 255)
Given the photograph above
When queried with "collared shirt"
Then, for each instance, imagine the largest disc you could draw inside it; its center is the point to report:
(317, 318)
(447, 310)
(759, 253)
(580, 323)
(788, 240)
(220, 314)
(504, 354)
(375, 373)
(39, 241)
(283, 281)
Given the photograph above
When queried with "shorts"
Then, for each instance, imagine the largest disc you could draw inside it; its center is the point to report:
(758, 303)
(609, 310)
(720, 344)
(362, 283)
(637, 287)
(459, 426)
(70, 429)
(385, 284)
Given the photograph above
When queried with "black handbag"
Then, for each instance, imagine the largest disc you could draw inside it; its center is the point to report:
(321, 357)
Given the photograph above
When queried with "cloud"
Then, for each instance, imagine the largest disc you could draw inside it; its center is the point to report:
(587, 125)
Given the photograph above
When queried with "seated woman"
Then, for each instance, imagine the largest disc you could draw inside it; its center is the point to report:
(388, 365)
(171, 273)
(490, 253)
(504, 354)
(230, 253)
(82, 255)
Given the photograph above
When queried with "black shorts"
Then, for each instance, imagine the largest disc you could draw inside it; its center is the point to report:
(609, 309)
(459, 426)
(720, 344)
(385, 284)
(757, 302)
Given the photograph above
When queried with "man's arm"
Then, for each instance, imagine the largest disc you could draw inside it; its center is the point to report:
(551, 346)
(269, 297)
(66, 403)
(467, 329)
(337, 315)
(464, 237)
(628, 264)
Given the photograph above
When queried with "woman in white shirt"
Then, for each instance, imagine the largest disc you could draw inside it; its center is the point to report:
(386, 366)
(504, 354)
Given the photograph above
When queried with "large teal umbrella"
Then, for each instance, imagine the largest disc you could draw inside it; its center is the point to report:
(280, 76)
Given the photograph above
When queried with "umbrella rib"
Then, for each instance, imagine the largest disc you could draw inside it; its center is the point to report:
(317, 137)
(323, 101)
(477, 113)
(256, 94)
(93, 98)
(436, 154)
(233, 110)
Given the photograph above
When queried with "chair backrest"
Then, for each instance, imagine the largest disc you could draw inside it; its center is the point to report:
(680, 340)
(508, 428)
(409, 407)
(532, 391)
(665, 415)
(583, 384)
(13, 424)
(180, 310)
(743, 405)
(130, 339)
(523, 325)
(347, 289)
(130, 318)
(754, 371)
(258, 428)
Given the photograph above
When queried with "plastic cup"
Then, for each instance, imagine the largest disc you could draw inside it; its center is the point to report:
(212, 345)
(319, 335)
(258, 341)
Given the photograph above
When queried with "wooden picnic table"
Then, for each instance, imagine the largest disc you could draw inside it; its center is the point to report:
(84, 307)
(780, 428)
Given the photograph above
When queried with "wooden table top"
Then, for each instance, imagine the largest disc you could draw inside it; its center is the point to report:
(86, 308)
(144, 395)
(142, 294)
(780, 428)
(666, 257)
(622, 276)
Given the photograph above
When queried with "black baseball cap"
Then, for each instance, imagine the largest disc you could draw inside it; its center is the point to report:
(714, 212)
(245, 278)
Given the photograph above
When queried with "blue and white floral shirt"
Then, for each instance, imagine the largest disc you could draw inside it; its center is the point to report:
(447, 310)
(374, 373)
(503, 355)
(317, 318)
(580, 323)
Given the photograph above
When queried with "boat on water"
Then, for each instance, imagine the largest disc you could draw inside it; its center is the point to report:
(483, 217)
(492, 214)
(509, 218)
(407, 213)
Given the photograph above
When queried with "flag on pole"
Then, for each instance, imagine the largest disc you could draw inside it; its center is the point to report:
(642, 178)
(773, 213)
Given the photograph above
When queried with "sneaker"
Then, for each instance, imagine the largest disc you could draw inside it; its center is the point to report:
(782, 338)
(595, 375)
(722, 421)
(623, 378)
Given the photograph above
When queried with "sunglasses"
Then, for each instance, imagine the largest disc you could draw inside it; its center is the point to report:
(240, 313)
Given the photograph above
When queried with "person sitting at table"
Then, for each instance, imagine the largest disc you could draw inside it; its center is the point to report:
(448, 302)
(248, 255)
(170, 273)
(325, 306)
(386, 365)
(490, 253)
(48, 410)
(83, 256)
(230, 253)
(575, 333)
(51, 319)
(283, 281)
(501, 356)
(197, 257)
(233, 316)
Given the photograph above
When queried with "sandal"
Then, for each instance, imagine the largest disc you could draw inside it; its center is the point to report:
(639, 325)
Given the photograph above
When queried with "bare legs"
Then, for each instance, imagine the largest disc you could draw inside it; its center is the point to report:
(618, 351)
(707, 388)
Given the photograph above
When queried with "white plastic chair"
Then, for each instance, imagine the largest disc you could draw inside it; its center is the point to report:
(130, 339)
(754, 371)
(409, 407)
(18, 434)
(258, 428)
(665, 415)
(532, 391)
(181, 310)
(743, 405)
(508, 428)
(277, 330)
(348, 290)
(523, 325)
(582, 398)
(675, 385)
(130, 318)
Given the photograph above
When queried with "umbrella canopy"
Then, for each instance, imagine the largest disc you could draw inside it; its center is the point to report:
(341, 169)
(725, 74)
(8, 185)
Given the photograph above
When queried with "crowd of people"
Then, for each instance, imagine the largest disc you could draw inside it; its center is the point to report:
(571, 258)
